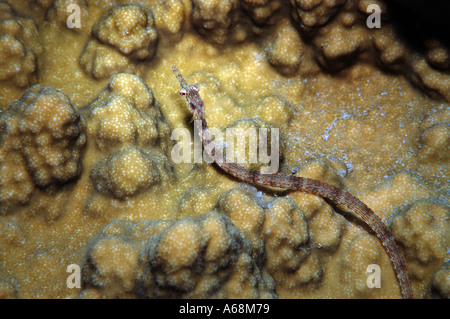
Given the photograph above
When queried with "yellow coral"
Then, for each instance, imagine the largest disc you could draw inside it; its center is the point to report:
(16, 185)
(196, 201)
(133, 88)
(433, 81)
(101, 61)
(339, 45)
(7, 290)
(286, 234)
(313, 13)
(275, 110)
(130, 29)
(391, 51)
(190, 230)
(125, 35)
(361, 253)
(326, 228)
(202, 257)
(124, 240)
(285, 49)
(49, 133)
(261, 11)
(125, 120)
(246, 214)
(119, 123)
(438, 55)
(125, 113)
(169, 16)
(18, 62)
(117, 272)
(435, 142)
(59, 13)
(424, 229)
(128, 172)
(12, 233)
(215, 18)
(441, 282)
(19, 46)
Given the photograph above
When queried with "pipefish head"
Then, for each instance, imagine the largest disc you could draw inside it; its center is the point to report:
(193, 98)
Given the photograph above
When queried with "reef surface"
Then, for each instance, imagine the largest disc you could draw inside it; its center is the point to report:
(88, 106)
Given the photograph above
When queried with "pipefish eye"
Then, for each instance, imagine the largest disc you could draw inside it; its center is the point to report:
(183, 91)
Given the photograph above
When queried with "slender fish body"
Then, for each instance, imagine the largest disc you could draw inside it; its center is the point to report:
(334, 194)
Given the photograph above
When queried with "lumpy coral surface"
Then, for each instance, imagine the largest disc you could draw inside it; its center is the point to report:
(92, 128)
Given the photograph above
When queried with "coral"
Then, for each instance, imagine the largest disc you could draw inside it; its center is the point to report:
(334, 29)
(314, 13)
(196, 201)
(48, 206)
(361, 252)
(48, 131)
(324, 224)
(59, 14)
(7, 290)
(424, 229)
(21, 28)
(41, 144)
(124, 113)
(326, 227)
(206, 257)
(216, 19)
(391, 53)
(435, 143)
(432, 81)
(18, 47)
(284, 48)
(298, 246)
(130, 29)
(261, 11)
(119, 122)
(19, 63)
(12, 233)
(286, 236)
(199, 258)
(124, 240)
(133, 88)
(16, 185)
(330, 172)
(246, 214)
(338, 32)
(441, 282)
(169, 16)
(363, 109)
(433, 146)
(100, 61)
(124, 36)
(127, 172)
(339, 46)
(275, 110)
(438, 55)
(126, 121)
